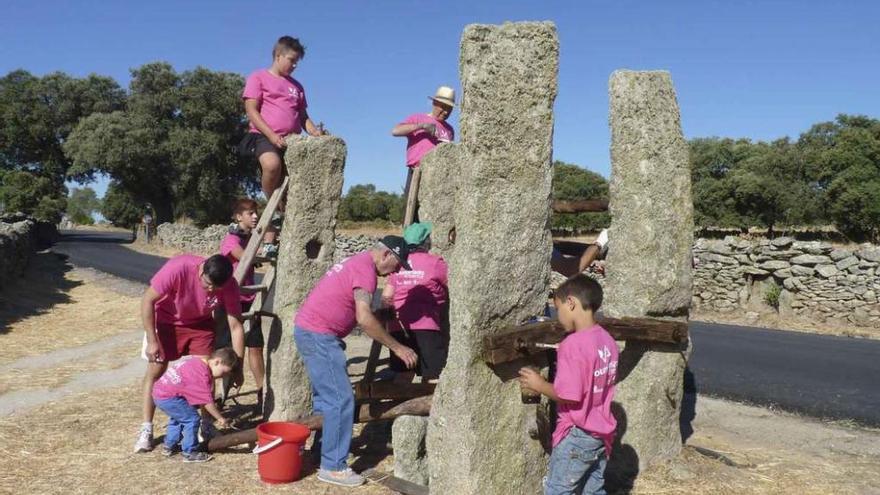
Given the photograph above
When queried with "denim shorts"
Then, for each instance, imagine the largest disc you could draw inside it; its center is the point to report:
(577, 465)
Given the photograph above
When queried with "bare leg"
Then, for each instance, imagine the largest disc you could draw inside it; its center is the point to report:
(154, 372)
(588, 257)
(257, 365)
(272, 176)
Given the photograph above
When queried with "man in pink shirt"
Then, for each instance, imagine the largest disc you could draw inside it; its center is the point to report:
(586, 373)
(177, 312)
(339, 301)
(420, 298)
(424, 131)
(275, 104)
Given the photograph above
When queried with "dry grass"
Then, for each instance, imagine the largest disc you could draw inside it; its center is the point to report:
(53, 308)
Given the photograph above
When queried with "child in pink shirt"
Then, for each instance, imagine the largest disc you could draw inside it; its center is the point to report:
(275, 104)
(186, 386)
(583, 389)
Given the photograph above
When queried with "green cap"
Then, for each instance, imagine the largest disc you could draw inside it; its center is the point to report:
(416, 233)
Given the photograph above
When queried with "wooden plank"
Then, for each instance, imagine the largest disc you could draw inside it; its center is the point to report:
(580, 205)
(250, 252)
(420, 406)
(398, 485)
(412, 197)
(519, 341)
(391, 390)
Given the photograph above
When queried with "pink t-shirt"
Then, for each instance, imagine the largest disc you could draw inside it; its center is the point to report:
(329, 307)
(281, 101)
(586, 373)
(188, 377)
(230, 242)
(420, 293)
(420, 142)
(184, 301)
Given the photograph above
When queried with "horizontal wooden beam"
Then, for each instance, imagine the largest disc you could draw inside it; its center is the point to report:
(420, 406)
(580, 205)
(391, 390)
(519, 341)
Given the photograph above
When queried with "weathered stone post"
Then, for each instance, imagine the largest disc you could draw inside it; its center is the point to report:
(315, 166)
(437, 191)
(478, 437)
(649, 258)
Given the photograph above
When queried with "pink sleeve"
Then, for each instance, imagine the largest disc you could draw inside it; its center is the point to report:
(232, 298)
(412, 119)
(442, 272)
(165, 280)
(253, 88)
(229, 243)
(364, 279)
(569, 384)
(197, 390)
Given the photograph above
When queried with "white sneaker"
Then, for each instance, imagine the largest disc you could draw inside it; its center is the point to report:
(602, 240)
(144, 442)
(346, 477)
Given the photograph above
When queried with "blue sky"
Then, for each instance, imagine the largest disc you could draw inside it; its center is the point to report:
(756, 69)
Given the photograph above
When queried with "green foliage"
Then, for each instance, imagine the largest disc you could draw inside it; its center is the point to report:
(81, 204)
(364, 203)
(37, 114)
(27, 192)
(121, 208)
(771, 295)
(173, 145)
(571, 182)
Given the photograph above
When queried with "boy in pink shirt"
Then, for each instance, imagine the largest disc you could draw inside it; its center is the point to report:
(420, 298)
(583, 389)
(244, 212)
(424, 131)
(177, 310)
(275, 104)
(186, 386)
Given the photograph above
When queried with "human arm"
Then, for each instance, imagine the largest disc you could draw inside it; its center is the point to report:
(252, 109)
(214, 411)
(148, 317)
(375, 331)
(236, 331)
(405, 129)
(310, 126)
(533, 380)
(388, 295)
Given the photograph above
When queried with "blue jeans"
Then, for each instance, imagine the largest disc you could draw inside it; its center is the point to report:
(181, 416)
(325, 361)
(577, 465)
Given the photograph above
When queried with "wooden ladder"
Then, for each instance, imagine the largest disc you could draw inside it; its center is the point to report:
(247, 262)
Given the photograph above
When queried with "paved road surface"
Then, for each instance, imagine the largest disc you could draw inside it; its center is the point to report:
(821, 376)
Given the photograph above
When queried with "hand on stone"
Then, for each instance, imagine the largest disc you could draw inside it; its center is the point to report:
(530, 379)
(407, 355)
(278, 141)
(429, 128)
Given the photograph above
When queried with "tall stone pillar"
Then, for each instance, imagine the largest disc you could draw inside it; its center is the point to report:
(478, 437)
(649, 259)
(315, 167)
(437, 191)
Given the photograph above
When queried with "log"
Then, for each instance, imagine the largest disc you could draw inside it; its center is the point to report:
(420, 406)
(580, 205)
(519, 341)
(391, 390)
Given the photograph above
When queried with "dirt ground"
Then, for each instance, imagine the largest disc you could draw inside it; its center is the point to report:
(71, 339)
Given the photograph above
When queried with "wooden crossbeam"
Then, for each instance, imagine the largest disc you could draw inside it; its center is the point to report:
(580, 205)
(520, 341)
(379, 411)
(391, 390)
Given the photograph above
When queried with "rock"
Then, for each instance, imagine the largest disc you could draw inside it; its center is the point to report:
(802, 271)
(781, 242)
(751, 316)
(437, 191)
(813, 247)
(773, 265)
(860, 316)
(751, 270)
(839, 254)
(502, 213)
(743, 259)
(847, 262)
(869, 294)
(652, 212)
(784, 273)
(786, 303)
(719, 248)
(717, 258)
(410, 455)
(871, 254)
(315, 166)
(810, 259)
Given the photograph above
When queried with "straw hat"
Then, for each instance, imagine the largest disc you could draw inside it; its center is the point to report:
(444, 95)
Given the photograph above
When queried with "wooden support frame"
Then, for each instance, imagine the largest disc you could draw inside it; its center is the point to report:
(519, 341)
(391, 390)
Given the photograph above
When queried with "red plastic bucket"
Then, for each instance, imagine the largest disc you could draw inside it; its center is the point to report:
(279, 445)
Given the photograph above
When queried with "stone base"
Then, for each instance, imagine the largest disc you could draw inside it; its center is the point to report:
(410, 456)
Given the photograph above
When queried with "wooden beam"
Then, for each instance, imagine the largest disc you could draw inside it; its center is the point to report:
(420, 406)
(580, 205)
(250, 252)
(519, 341)
(391, 390)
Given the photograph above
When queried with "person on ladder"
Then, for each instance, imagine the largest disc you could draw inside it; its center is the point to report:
(275, 104)
(424, 131)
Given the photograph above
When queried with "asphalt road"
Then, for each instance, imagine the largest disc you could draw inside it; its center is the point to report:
(816, 375)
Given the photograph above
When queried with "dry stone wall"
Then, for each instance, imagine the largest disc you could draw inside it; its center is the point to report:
(810, 279)
(17, 244)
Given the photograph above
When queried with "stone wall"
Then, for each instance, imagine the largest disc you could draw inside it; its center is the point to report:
(810, 279)
(17, 244)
